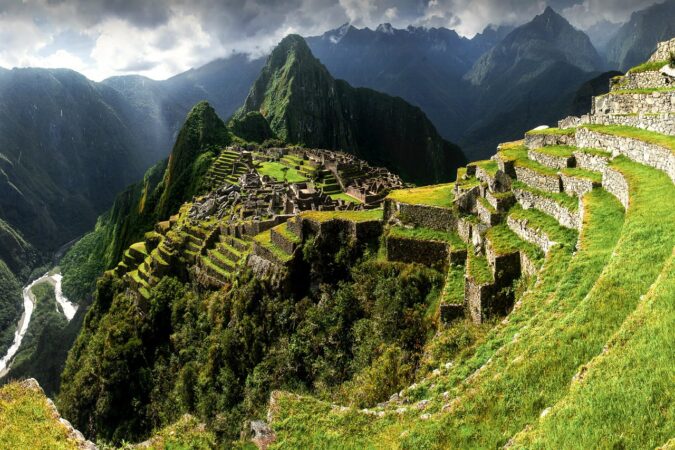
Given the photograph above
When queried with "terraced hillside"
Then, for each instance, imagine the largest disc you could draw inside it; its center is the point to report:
(526, 304)
(567, 238)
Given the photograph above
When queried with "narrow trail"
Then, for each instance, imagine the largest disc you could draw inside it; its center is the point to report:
(67, 308)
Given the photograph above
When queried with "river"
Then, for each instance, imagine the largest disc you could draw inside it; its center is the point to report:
(69, 309)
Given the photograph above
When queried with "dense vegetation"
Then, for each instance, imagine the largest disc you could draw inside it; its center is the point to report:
(355, 333)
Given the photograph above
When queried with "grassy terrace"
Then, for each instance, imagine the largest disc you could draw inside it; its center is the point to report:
(596, 177)
(485, 204)
(538, 220)
(264, 239)
(504, 241)
(491, 417)
(453, 289)
(594, 152)
(567, 201)
(278, 171)
(478, 268)
(286, 233)
(426, 234)
(345, 197)
(648, 67)
(554, 131)
(350, 216)
(489, 165)
(582, 302)
(518, 154)
(26, 421)
(437, 195)
(560, 151)
(651, 137)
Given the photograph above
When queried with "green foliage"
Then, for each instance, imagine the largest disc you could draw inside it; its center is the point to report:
(28, 421)
(437, 195)
(218, 356)
(648, 67)
(252, 127)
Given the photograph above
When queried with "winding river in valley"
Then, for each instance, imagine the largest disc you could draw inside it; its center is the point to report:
(66, 307)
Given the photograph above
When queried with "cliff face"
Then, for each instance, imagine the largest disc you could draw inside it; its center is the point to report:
(304, 104)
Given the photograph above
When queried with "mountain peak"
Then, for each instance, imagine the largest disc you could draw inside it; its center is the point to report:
(385, 28)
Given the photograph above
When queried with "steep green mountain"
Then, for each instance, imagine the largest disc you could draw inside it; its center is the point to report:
(304, 104)
(528, 79)
(636, 40)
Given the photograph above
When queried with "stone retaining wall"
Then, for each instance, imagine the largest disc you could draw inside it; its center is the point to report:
(527, 266)
(433, 217)
(573, 121)
(643, 80)
(614, 182)
(564, 216)
(282, 242)
(500, 203)
(652, 103)
(487, 216)
(589, 161)
(578, 186)
(428, 253)
(663, 50)
(556, 162)
(505, 268)
(639, 151)
(524, 231)
(478, 298)
(538, 140)
(659, 123)
(538, 180)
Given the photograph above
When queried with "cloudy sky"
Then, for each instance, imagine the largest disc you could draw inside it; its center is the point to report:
(160, 38)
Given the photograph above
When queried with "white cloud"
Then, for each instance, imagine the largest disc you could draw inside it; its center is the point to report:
(589, 12)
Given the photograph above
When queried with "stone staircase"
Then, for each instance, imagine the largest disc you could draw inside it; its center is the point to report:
(227, 168)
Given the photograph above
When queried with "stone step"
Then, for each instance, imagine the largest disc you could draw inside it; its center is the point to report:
(642, 146)
(565, 209)
(480, 291)
(230, 252)
(501, 201)
(540, 229)
(264, 248)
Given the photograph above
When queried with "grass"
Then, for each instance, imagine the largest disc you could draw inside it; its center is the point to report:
(540, 221)
(504, 241)
(347, 198)
(651, 137)
(453, 290)
(366, 215)
(489, 165)
(26, 421)
(522, 377)
(560, 151)
(601, 297)
(648, 67)
(485, 204)
(438, 195)
(567, 201)
(479, 269)
(596, 177)
(279, 172)
(594, 152)
(427, 234)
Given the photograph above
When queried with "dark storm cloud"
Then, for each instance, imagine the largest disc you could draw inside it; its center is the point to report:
(162, 37)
